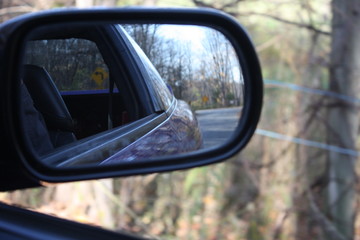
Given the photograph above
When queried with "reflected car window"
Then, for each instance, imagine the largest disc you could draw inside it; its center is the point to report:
(154, 80)
(80, 73)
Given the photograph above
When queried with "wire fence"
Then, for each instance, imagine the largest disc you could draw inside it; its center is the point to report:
(306, 142)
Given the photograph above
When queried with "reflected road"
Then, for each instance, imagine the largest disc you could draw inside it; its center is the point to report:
(217, 125)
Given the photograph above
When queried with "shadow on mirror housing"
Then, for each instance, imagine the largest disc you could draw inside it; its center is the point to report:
(87, 95)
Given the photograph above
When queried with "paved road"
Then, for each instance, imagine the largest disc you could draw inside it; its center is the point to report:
(217, 125)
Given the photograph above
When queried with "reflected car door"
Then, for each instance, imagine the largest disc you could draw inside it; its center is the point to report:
(179, 133)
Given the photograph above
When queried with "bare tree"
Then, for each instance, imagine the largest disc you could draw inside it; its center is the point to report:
(221, 61)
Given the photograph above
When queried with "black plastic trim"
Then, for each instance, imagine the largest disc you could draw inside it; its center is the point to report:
(18, 223)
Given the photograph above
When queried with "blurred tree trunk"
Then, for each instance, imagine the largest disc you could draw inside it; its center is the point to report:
(150, 2)
(343, 117)
(11, 8)
(88, 200)
(84, 3)
(310, 162)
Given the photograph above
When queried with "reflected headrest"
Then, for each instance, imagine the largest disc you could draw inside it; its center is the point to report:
(47, 98)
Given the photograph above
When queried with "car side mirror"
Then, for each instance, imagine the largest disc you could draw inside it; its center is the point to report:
(105, 93)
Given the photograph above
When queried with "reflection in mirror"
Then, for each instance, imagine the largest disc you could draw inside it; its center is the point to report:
(111, 93)
(202, 68)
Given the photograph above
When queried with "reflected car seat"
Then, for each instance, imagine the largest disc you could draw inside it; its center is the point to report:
(49, 103)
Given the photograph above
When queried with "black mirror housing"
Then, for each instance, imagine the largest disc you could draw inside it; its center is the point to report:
(21, 168)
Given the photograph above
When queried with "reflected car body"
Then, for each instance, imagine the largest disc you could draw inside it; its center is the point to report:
(178, 134)
(106, 119)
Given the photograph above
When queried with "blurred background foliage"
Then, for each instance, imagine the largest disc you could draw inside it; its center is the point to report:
(285, 184)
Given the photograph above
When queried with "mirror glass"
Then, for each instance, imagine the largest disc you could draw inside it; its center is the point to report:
(115, 93)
